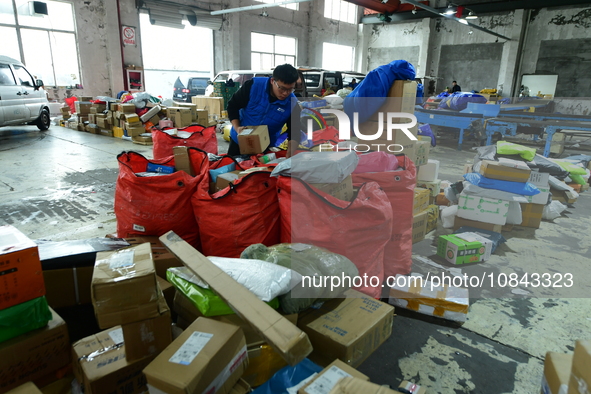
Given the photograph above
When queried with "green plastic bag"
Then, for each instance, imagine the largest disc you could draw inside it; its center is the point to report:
(208, 303)
(22, 318)
(575, 171)
(509, 148)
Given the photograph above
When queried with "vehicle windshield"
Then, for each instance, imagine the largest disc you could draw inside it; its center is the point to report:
(312, 79)
(198, 83)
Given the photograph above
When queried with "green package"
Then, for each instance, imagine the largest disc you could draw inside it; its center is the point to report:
(208, 302)
(22, 318)
(509, 148)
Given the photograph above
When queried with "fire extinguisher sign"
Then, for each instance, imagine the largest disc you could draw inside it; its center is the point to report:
(128, 34)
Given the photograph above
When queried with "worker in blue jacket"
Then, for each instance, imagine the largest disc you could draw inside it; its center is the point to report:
(266, 101)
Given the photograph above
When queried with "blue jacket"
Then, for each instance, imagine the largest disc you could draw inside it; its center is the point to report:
(260, 111)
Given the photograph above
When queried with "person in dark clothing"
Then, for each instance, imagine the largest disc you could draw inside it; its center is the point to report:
(455, 87)
(266, 101)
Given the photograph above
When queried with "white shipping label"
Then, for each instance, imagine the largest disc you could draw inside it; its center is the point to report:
(325, 382)
(137, 227)
(116, 335)
(246, 131)
(191, 348)
(121, 259)
(294, 389)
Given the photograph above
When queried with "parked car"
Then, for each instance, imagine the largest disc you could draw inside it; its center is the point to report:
(245, 75)
(348, 77)
(195, 87)
(22, 98)
(317, 80)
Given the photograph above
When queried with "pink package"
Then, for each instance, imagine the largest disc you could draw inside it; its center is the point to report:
(376, 162)
(165, 123)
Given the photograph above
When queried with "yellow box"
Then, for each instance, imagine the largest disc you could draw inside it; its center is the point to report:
(117, 132)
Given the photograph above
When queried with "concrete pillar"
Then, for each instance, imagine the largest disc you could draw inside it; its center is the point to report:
(511, 56)
(422, 65)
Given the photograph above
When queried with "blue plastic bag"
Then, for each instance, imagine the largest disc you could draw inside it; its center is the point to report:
(459, 101)
(222, 170)
(525, 189)
(288, 377)
(371, 93)
(426, 131)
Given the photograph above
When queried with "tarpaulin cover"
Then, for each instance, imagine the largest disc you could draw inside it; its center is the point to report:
(523, 188)
(201, 137)
(376, 84)
(238, 216)
(358, 230)
(459, 101)
(399, 188)
(288, 377)
(157, 204)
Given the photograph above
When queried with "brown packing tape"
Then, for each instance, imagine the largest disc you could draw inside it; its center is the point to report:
(414, 302)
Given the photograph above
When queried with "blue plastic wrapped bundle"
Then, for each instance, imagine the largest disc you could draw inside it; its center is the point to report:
(459, 101)
(525, 189)
(288, 377)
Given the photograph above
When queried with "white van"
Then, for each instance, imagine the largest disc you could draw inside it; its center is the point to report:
(237, 76)
(22, 99)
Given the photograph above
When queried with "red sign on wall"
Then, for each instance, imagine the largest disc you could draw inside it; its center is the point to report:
(128, 34)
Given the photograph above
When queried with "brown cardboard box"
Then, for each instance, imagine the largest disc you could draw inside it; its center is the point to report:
(401, 98)
(202, 117)
(114, 106)
(242, 387)
(190, 106)
(580, 376)
(148, 337)
(21, 278)
(182, 161)
(459, 222)
(92, 118)
(494, 170)
(422, 149)
(288, 340)
(163, 259)
(214, 105)
(421, 200)
(531, 214)
(124, 286)
(564, 196)
(127, 108)
(34, 355)
(182, 117)
(224, 180)
(168, 290)
(102, 123)
(106, 132)
(68, 286)
(101, 367)
(419, 226)
(82, 107)
(253, 140)
(133, 119)
(27, 388)
(208, 356)
(349, 329)
(263, 363)
(65, 110)
(329, 376)
(399, 142)
(134, 131)
(440, 199)
(142, 140)
(357, 386)
(412, 387)
(557, 367)
(342, 191)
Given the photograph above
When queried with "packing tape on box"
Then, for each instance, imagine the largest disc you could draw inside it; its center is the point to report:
(440, 304)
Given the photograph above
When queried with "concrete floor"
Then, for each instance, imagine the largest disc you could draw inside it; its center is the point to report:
(59, 185)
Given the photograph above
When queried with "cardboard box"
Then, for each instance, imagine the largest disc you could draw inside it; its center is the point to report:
(92, 118)
(540, 198)
(440, 199)
(124, 286)
(428, 172)
(411, 388)
(163, 259)
(102, 123)
(495, 170)
(182, 161)
(27, 388)
(417, 294)
(202, 117)
(288, 340)
(34, 355)
(460, 222)
(253, 140)
(421, 200)
(68, 286)
(224, 180)
(422, 152)
(192, 107)
(148, 337)
(342, 191)
(463, 248)
(434, 186)
(21, 278)
(152, 112)
(557, 144)
(349, 329)
(242, 387)
(82, 107)
(399, 141)
(208, 356)
(132, 119)
(135, 131)
(117, 132)
(357, 386)
(401, 98)
(65, 110)
(419, 226)
(100, 365)
(263, 363)
(531, 214)
(324, 381)
(142, 140)
(564, 196)
(580, 376)
(182, 117)
(483, 209)
(127, 108)
(106, 133)
(214, 105)
(557, 367)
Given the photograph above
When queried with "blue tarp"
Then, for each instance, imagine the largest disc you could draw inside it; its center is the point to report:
(459, 101)
(376, 85)
(288, 377)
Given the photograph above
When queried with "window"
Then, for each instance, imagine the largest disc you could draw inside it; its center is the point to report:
(23, 77)
(337, 57)
(47, 43)
(269, 50)
(292, 6)
(340, 10)
(6, 77)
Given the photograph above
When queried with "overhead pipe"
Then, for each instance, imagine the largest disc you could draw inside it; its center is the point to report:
(256, 7)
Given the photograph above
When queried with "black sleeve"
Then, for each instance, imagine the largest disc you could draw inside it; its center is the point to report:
(296, 112)
(239, 100)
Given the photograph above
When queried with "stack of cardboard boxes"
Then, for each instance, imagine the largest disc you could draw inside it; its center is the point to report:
(34, 342)
(426, 217)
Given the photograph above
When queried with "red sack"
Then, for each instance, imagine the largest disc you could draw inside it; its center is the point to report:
(203, 138)
(238, 216)
(328, 134)
(358, 230)
(157, 204)
(71, 103)
(399, 187)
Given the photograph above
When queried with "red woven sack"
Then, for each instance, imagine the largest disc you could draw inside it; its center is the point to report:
(203, 138)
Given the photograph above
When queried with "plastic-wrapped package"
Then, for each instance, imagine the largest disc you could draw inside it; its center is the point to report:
(509, 148)
(545, 165)
(561, 186)
(285, 380)
(309, 261)
(334, 99)
(514, 213)
(553, 210)
(448, 215)
(318, 167)
(453, 191)
(496, 238)
(376, 162)
(476, 190)
(526, 189)
(24, 317)
(208, 302)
